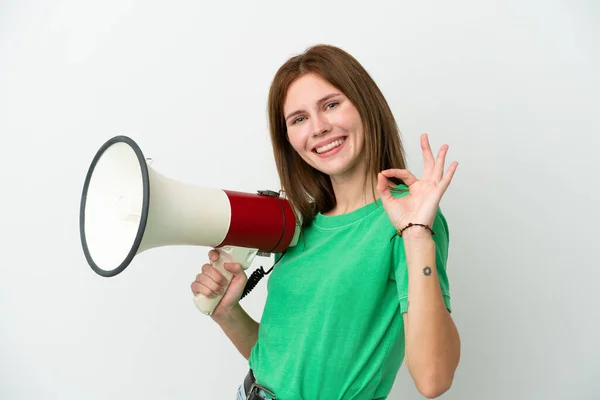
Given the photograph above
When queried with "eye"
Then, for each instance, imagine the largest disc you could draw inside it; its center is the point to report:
(332, 105)
(297, 120)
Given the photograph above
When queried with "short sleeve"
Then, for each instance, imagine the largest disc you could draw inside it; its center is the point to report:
(442, 240)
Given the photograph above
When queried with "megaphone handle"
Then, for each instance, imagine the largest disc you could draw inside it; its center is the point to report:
(242, 255)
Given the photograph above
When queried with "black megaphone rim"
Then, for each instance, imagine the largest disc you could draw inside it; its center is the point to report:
(145, 206)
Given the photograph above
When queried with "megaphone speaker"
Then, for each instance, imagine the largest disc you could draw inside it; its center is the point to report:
(127, 208)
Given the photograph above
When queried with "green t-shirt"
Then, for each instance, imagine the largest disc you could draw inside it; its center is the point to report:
(332, 325)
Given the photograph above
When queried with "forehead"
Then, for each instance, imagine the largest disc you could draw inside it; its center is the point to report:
(307, 90)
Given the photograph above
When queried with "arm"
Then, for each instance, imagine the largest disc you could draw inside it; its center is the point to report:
(240, 328)
(432, 340)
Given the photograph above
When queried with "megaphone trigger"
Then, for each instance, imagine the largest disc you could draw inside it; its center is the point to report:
(227, 254)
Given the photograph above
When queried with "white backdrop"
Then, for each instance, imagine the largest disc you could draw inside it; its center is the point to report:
(512, 86)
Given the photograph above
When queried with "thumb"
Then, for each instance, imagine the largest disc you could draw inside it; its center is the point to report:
(234, 267)
(237, 283)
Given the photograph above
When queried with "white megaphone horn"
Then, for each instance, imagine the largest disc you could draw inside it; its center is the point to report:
(128, 208)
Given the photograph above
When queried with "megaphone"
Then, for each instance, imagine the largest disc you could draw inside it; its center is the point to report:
(128, 208)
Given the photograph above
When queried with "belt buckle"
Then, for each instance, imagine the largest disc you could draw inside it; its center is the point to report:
(253, 395)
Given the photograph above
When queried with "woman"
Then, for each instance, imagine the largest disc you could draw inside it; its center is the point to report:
(340, 315)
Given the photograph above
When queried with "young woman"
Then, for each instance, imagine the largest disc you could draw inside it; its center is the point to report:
(366, 287)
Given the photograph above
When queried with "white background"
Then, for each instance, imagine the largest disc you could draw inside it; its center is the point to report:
(512, 86)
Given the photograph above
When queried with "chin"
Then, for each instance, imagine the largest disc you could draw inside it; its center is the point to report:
(336, 171)
(339, 167)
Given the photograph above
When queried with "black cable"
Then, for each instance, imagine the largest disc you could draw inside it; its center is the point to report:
(256, 276)
(260, 273)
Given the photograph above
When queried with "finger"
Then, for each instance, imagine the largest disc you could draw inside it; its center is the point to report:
(407, 177)
(427, 155)
(213, 255)
(209, 282)
(213, 274)
(196, 287)
(438, 170)
(445, 182)
(212, 284)
(382, 187)
(202, 288)
(234, 268)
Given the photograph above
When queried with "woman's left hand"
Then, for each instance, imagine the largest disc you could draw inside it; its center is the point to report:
(421, 204)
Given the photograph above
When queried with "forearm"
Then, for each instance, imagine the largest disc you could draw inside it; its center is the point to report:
(240, 328)
(432, 340)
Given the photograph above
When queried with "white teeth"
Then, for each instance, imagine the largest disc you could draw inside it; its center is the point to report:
(329, 146)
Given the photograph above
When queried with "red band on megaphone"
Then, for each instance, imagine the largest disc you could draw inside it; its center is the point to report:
(266, 223)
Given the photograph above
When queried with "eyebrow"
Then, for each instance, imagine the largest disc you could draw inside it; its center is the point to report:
(319, 102)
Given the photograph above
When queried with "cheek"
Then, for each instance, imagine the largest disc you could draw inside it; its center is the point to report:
(296, 143)
(297, 139)
(349, 120)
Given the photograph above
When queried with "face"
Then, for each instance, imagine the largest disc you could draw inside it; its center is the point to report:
(324, 127)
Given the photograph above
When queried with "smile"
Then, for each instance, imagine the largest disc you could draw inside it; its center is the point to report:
(330, 146)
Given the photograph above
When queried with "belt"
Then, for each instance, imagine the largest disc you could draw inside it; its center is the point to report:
(251, 388)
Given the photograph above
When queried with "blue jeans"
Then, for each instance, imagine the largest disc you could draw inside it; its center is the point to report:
(241, 395)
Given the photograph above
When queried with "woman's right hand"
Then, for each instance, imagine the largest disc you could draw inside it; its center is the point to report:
(211, 283)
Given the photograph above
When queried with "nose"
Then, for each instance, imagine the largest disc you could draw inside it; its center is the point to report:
(321, 125)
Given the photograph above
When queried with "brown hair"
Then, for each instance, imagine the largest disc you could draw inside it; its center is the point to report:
(308, 190)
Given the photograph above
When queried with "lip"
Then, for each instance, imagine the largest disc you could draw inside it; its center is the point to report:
(333, 152)
(326, 142)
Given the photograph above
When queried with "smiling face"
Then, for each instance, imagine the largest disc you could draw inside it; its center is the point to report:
(324, 127)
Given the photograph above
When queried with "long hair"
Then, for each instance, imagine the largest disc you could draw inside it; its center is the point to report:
(308, 190)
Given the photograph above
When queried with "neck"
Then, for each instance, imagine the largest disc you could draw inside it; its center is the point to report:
(352, 192)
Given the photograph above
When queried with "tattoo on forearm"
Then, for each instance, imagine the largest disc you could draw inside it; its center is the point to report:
(427, 271)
